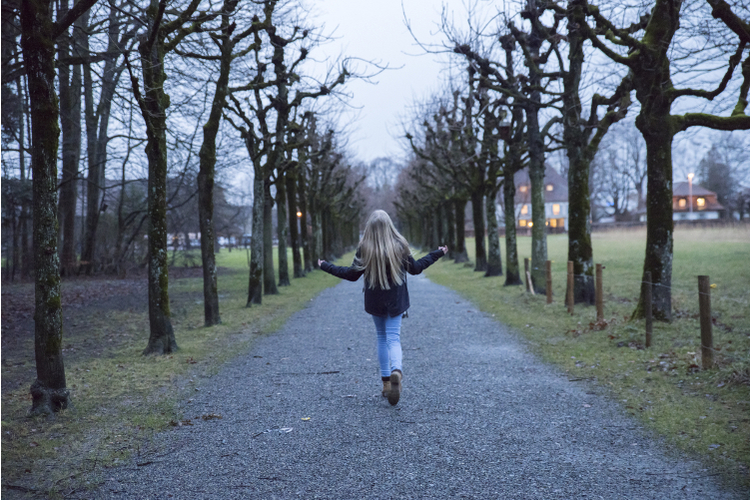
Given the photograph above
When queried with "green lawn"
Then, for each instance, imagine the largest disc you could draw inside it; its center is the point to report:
(697, 410)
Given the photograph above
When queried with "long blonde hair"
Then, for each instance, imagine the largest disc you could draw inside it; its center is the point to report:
(382, 252)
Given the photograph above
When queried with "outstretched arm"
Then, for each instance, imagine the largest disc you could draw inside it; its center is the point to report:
(417, 266)
(344, 272)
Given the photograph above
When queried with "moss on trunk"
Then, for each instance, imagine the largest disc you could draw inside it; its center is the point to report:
(460, 255)
(49, 391)
(494, 258)
(255, 279)
(291, 187)
(282, 231)
(477, 212)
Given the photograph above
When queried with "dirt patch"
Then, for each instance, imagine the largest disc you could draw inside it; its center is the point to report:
(88, 305)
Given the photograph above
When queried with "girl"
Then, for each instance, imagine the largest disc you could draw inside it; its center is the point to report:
(384, 258)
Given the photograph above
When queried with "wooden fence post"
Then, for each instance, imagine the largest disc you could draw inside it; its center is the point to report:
(647, 303)
(570, 297)
(707, 339)
(599, 294)
(548, 269)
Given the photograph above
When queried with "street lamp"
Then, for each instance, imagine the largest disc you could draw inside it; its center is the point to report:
(690, 192)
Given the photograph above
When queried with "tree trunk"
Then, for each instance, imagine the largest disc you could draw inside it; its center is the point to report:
(26, 253)
(255, 280)
(512, 272)
(207, 155)
(269, 274)
(538, 229)
(70, 119)
(49, 392)
(291, 186)
(316, 242)
(95, 176)
(97, 136)
(477, 212)
(580, 251)
(660, 227)
(494, 258)
(450, 231)
(282, 229)
(153, 106)
(305, 239)
(461, 255)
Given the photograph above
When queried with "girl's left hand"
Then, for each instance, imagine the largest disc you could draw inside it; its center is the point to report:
(444, 249)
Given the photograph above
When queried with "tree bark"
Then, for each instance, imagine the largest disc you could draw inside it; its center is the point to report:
(97, 138)
(660, 227)
(512, 271)
(494, 258)
(282, 228)
(461, 255)
(255, 280)
(580, 250)
(70, 119)
(291, 187)
(206, 173)
(269, 274)
(536, 176)
(304, 233)
(154, 104)
(49, 392)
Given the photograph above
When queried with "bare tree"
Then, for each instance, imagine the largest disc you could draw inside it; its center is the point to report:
(38, 34)
(655, 61)
(161, 37)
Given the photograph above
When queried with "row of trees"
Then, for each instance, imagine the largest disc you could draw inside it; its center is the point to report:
(556, 76)
(241, 76)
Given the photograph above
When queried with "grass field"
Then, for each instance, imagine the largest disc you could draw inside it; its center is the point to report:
(120, 398)
(704, 412)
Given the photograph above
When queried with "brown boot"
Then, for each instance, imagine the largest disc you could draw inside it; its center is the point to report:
(386, 388)
(395, 393)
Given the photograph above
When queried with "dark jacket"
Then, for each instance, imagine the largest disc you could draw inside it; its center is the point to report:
(394, 301)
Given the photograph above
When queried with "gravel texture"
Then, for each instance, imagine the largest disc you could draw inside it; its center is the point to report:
(479, 417)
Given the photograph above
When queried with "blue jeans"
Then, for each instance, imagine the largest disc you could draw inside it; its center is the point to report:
(389, 343)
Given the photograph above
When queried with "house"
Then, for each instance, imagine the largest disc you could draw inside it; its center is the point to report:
(555, 200)
(693, 203)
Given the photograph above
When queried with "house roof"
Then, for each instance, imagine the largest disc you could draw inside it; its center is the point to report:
(683, 189)
(559, 184)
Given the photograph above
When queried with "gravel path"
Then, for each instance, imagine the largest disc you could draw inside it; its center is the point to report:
(480, 417)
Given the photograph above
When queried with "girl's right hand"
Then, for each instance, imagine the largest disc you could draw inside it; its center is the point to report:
(320, 261)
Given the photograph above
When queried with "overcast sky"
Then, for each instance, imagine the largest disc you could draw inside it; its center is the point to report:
(376, 31)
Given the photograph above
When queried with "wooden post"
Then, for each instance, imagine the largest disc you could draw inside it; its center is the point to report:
(527, 274)
(647, 302)
(570, 294)
(707, 339)
(599, 294)
(548, 269)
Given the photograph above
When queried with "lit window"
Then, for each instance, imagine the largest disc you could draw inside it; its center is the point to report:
(522, 223)
(682, 203)
(556, 209)
(550, 187)
(553, 222)
(523, 188)
(525, 209)
(701, 202)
